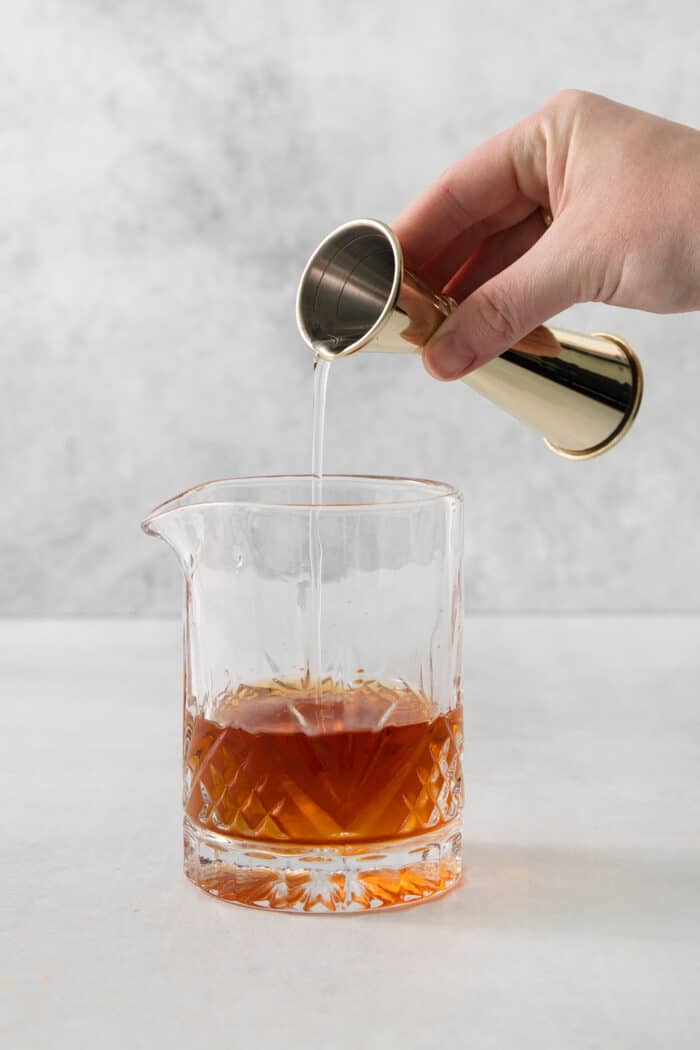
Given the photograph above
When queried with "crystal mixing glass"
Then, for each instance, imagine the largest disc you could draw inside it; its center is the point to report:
(336, 789)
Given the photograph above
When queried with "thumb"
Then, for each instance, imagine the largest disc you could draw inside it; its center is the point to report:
(541, 283)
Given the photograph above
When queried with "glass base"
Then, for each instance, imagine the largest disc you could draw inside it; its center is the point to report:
(322, 879)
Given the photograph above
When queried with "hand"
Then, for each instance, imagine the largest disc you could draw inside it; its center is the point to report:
(623, 190)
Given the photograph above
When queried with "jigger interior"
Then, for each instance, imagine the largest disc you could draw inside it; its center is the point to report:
(348, 287)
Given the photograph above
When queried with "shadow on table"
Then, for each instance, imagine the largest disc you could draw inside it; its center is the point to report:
(575, 890)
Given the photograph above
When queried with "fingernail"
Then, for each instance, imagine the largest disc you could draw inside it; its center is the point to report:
(446, 358)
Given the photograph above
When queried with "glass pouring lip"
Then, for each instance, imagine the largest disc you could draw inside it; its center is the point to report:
(440, 490)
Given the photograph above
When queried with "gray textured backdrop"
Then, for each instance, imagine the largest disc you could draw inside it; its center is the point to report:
(165, 169)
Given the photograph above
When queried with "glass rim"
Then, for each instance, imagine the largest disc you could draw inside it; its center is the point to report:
(434, 491)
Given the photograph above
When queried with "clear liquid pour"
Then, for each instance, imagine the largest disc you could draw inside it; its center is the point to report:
(321, 369)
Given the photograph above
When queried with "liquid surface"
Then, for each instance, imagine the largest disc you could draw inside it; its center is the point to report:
(297, 763)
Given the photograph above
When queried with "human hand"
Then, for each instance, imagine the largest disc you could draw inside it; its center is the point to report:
(623, 190)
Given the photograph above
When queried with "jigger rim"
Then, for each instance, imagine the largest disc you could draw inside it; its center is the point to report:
(425, 491)
(388, 233)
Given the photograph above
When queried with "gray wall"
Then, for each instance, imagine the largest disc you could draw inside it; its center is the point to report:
(167, 166)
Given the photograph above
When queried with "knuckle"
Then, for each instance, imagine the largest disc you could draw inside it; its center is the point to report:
(496, 314)
(569, 100)
(590, 270)
(452, 203)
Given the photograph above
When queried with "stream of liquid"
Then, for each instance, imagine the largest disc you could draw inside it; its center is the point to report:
(321, 370)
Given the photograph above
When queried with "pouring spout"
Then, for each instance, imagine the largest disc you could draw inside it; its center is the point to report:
(180, 523)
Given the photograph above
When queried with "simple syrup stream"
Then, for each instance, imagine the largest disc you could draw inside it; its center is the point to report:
(321, 370)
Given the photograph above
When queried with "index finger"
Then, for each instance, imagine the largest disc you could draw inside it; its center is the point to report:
(497, 175)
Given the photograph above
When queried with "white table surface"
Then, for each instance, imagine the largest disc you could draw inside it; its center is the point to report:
(579, 925)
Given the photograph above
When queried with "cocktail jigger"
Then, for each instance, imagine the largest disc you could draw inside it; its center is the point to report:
(356, 294)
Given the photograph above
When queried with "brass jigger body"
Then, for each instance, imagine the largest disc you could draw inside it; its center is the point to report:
(356, 294)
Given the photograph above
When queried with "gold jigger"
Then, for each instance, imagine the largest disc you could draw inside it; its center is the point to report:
(356, 294)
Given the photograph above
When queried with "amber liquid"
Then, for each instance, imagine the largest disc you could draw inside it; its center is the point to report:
(279, 764)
